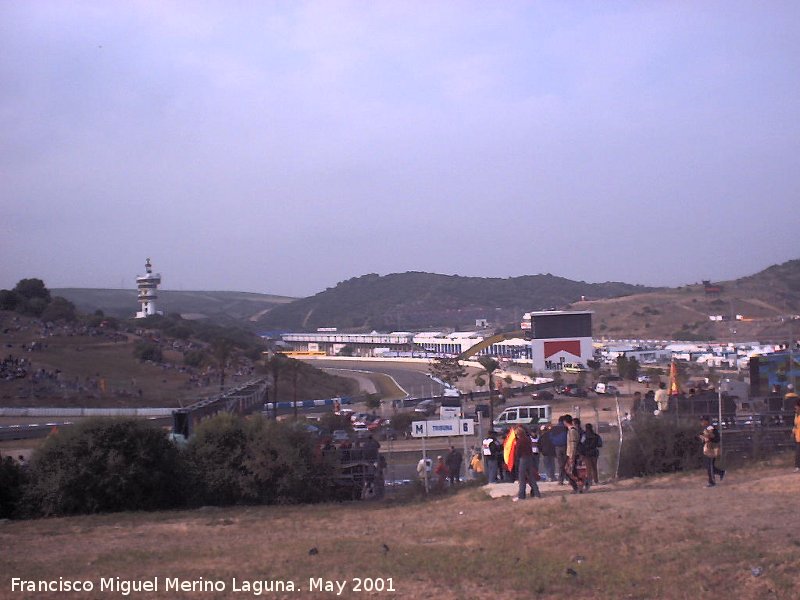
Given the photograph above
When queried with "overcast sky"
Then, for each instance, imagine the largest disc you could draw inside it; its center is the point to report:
(282, 147)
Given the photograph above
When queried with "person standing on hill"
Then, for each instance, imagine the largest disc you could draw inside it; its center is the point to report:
(523, 460)
(711, 450)
(796, 433)
(662, 398)
(534, 435)
(441, 471)
(548, 452)
(558, 435)
(476, 464)
(636, 407)
(570, 467)
(453, 462)
(592, 442)
(491, 452)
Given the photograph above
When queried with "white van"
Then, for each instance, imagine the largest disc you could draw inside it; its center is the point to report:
(523, 415)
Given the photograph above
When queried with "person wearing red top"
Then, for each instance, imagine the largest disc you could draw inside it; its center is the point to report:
(523, 457)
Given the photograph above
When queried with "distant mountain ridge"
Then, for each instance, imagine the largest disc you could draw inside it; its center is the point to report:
(760, 307)
(220, 306)
(416, 300)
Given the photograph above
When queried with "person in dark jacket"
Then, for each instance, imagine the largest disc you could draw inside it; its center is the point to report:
(371, 447)
(492, 452)
(523, 460)
(558, 435)
(592, 442)
(453, 462)
(548, 452)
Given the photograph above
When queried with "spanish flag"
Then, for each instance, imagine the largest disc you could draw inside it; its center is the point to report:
(509, 445)
(674, 388)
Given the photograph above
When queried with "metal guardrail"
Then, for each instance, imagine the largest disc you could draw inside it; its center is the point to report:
(86, 412)
(240, 400)
(757, 442)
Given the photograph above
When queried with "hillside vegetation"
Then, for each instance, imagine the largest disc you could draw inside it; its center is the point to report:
(415, 301)
(218, 306)
(662, 537)
(419, 300)
(766, 300)
(98, 361)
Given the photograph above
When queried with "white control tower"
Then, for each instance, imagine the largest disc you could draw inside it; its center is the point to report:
(148, 291)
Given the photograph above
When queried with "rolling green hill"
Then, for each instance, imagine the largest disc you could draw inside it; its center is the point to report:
(766, 301)
(415, 301)
(219, 306)
(420, 300)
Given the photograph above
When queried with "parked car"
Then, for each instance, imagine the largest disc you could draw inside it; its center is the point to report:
(340, 435)
(644, 379)
(575, 391)
(542, 395)
(606, 388)
(609, 378)
(426, 407)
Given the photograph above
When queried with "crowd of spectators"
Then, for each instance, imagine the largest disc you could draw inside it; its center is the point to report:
(37, 380)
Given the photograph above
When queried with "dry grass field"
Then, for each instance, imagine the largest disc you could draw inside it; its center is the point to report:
(663, 537)
(81, 358)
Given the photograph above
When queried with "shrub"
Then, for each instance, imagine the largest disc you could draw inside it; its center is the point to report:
(659, 446)
(401, 422)
(214, 458)
(373, 401)
(258, 461)
(9, 300)
(59, 309)
(144, 350)
(194, 358)
(12, 479)
(104, 465)
(330, 422)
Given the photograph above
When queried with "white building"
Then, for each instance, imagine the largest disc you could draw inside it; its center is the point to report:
(559, 338)
(148, 291)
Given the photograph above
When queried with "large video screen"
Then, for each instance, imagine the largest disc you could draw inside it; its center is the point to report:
(561, 326)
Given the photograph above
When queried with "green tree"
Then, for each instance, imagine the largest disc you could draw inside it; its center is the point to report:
(632, 368)
(222, 348)
(558, 378)
(401, 422)
(622, 365)
(256, 461)
(580, 380)
(12, 480)
(9, 300)
(145, 350)
(294, 374)
(102, 465)
(448, 369)
(277, 366)
(32, 288)
(194, 358)
(59, 309)
(215, 457)
(713, 377)
(490, 365)
(373, 401)
(330, 422)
